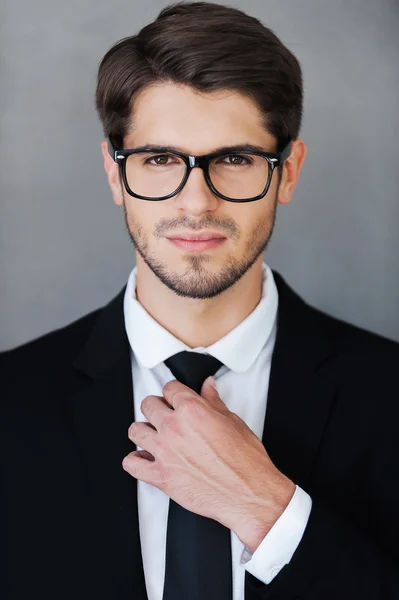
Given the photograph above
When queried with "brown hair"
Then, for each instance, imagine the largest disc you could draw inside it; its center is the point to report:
(209, 47)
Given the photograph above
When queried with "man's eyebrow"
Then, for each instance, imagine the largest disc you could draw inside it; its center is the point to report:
(245, 147)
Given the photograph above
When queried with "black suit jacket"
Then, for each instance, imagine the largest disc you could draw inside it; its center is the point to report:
(68, 518)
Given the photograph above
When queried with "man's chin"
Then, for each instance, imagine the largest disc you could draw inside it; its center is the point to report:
(196, 282)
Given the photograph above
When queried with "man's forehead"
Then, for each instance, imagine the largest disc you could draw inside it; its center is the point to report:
(177, 117)
(174, 104)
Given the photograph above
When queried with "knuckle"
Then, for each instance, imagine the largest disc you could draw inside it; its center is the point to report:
(169, 385)
(146, 405)
(171, 424)
(189, 406)
(158, 445)
(161, 477)
(132, 429)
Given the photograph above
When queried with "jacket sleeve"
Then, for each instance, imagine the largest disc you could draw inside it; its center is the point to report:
(334, 560)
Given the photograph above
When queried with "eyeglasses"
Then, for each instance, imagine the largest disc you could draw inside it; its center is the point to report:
(236, 174)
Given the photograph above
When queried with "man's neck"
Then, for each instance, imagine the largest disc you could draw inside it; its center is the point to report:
(196, 322)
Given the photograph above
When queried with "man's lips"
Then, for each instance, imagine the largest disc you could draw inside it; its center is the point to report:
(194, 237)
(197, 244)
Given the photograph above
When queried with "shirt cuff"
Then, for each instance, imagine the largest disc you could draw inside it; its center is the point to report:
(279, 545)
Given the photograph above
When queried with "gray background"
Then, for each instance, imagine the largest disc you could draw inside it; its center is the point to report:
(64, 250)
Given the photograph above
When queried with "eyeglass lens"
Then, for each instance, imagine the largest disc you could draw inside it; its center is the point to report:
(237, 176)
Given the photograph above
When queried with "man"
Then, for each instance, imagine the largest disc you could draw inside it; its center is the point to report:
(127, 471)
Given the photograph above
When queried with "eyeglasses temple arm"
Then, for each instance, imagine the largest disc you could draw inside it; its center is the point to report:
(285, 153)
(112, 150)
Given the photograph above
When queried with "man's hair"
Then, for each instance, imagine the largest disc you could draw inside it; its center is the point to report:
(208, 47)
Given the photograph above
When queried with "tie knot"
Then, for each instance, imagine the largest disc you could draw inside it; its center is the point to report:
(192, 368)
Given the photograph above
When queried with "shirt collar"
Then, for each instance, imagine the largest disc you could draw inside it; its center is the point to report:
(153, 344)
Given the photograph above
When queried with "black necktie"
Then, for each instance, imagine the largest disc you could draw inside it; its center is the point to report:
(198, 549)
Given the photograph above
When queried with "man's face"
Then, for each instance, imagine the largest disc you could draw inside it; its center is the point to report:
(171, 115)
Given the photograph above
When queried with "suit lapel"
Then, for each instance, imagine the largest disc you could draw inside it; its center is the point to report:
(102, 410)
(300, 396)
(300, 393)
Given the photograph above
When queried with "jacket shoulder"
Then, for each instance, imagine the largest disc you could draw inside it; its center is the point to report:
(302, 320)
(50, 349)
(362, 362)
(350, 337)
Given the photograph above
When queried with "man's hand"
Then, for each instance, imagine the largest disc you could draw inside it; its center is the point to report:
(208, 460)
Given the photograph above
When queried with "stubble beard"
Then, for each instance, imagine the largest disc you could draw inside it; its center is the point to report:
(196, 281)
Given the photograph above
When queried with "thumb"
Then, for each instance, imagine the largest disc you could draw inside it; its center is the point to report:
(210, 393)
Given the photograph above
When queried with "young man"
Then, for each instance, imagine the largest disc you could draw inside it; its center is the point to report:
(126, 474)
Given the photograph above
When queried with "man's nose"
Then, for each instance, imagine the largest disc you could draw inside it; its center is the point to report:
(196, 197)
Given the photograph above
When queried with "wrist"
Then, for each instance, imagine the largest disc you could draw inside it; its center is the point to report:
(258, 517)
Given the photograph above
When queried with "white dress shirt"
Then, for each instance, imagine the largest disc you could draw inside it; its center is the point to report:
(242, 383)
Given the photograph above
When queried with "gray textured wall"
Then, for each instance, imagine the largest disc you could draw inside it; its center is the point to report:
(63, 246)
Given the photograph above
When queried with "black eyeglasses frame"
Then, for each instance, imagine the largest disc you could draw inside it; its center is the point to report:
(274, 159)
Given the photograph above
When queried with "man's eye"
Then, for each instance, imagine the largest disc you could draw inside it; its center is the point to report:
(160, 159)
(236, 159)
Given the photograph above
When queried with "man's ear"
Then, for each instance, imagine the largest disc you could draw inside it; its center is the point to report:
(112, 170)
(291, 169)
